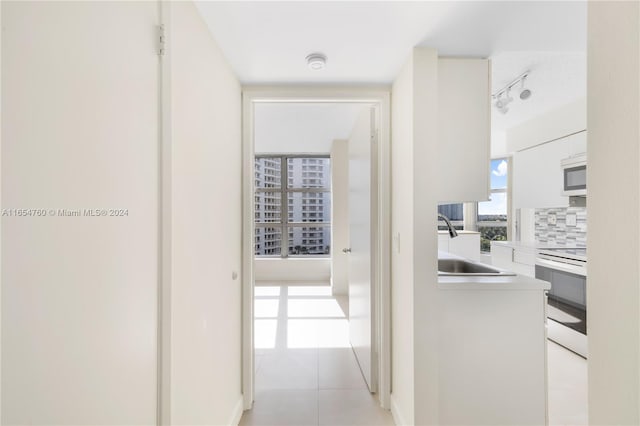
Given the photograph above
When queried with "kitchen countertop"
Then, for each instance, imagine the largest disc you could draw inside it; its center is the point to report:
(531, 245)
(512, 282)
(460, 232)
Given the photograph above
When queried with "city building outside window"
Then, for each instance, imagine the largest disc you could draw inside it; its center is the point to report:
(453, 212)
(292, 206)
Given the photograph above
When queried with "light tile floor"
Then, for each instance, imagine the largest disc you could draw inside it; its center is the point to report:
(567, 387)
(306, 372)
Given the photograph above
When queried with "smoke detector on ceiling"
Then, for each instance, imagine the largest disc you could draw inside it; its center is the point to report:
(316, 61)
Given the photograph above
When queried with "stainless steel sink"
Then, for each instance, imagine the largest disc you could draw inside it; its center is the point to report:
(462, 267)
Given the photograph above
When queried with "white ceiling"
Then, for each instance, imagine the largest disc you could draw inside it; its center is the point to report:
(368, 42)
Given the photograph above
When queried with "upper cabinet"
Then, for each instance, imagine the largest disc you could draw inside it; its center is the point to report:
(539, 145)
(537, 172)
(464, 129)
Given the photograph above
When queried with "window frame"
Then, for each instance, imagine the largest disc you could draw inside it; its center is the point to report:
(507, 191)
(284, 190)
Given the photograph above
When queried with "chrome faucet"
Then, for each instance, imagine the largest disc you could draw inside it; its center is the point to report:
(452, 230)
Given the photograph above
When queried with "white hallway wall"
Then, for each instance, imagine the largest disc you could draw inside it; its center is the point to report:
(80, 130)
(613, 294)
(79, 308)
(205, 226)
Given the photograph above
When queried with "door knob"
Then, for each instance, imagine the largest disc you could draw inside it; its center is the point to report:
(346, 250)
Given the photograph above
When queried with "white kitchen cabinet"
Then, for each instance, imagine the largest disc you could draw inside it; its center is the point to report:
(537, 175)
(443, 241)
(516, 258)
(466, 244)
(464, 125)
(493, 355)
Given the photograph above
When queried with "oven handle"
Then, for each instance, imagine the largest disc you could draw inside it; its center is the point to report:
(566, 267)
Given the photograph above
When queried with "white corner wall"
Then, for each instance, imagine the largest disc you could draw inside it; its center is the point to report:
(402, 404)
(339, 216)
(414, 398)
(613, 292)
(425, 237)
(205, 226)
(79, 293)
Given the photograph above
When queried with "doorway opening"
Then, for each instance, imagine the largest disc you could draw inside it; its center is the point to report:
(308, 156)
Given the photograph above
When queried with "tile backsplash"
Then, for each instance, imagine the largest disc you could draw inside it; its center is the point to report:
(565, 230)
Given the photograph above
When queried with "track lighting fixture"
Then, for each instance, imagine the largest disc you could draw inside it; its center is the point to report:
(503, 96)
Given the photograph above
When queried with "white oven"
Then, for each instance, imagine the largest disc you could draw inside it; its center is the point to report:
(574, 172)
(566, 270)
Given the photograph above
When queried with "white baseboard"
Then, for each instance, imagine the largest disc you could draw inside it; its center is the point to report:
(398, 418)
(237, 412)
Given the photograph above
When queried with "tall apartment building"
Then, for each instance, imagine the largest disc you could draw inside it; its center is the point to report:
(307, 199)
(268, 175)
(454, 212)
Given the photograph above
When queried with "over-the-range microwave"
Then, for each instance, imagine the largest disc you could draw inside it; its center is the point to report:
(574, 171)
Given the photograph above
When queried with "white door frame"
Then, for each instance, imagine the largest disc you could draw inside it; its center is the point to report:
(380, 97)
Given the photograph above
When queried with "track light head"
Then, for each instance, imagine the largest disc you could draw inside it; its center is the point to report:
(524, 93)
(503, 99)
(507, 96)
(501, 104)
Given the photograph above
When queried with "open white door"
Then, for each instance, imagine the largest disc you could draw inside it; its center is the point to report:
(362, 149)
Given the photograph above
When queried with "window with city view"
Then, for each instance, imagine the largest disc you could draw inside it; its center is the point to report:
(292, 206)
(493, 214)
